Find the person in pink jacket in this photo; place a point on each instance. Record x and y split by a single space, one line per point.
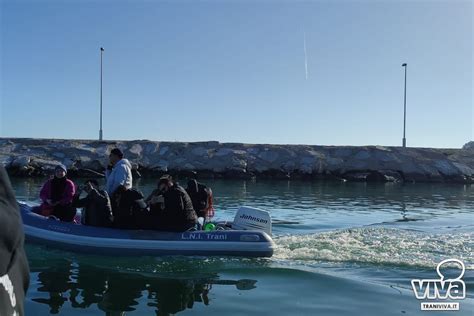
57 195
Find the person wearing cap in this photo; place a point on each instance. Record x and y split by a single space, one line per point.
171 207
14 271
96 207
118 173
57 194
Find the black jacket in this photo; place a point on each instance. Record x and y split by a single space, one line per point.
14 271
178 213
128 208
97 210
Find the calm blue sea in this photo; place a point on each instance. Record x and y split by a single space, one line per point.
349 249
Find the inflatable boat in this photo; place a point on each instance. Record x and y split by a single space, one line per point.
248 235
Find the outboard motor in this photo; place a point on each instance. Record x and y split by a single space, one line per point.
250 218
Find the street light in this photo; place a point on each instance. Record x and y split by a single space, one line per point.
404 141
100 131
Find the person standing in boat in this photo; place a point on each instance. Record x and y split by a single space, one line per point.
96 207
118 178
118 173
171 207
57 194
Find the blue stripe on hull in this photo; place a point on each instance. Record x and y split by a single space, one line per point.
146 252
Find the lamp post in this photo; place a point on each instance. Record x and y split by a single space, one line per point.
404 140
100 131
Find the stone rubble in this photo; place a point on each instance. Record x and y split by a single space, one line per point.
85 158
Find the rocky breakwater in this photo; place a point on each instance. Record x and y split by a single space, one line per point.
37 157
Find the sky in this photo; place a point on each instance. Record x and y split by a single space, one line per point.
234 71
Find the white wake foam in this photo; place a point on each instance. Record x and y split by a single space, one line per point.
378 246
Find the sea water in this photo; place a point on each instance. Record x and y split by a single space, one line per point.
342 249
